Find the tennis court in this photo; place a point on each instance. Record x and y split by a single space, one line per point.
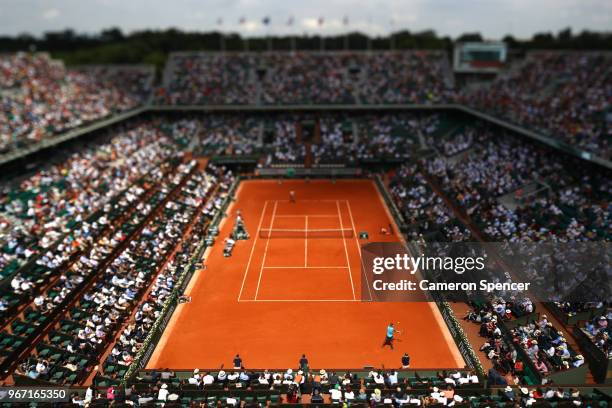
295 287
321 272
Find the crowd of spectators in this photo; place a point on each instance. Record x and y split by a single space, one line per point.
599 331
373 137
134 334
285 146
563 94
286 138
230 135
305 78
496 166
41 98
425 213
401 77
456 142
107 213
37 212
209 79
545 345
120 271
127 264
320 386
337 144
507 368
308 78
573 206
570 309
69 220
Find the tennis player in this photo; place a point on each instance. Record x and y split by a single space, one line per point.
390 335
292 196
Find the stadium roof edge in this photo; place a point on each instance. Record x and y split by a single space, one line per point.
547 140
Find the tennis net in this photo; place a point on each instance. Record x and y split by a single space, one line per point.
306 233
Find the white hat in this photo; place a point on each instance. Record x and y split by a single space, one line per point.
457 398
164 386
524 390
289 371
196 370
508 389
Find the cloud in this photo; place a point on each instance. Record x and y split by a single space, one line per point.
50 14
310 23
493 18
250 26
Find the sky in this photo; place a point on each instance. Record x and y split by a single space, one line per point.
492 18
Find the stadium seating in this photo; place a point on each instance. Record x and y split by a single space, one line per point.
304 78
98 313
75 195
426 214
562 94
597 328
41 98
90 266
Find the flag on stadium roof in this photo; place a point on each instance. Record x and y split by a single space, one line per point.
265 20
320 21
220 21
345 20
290 21
242 20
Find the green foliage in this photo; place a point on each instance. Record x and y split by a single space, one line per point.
152 46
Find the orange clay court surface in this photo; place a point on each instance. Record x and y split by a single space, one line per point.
276 298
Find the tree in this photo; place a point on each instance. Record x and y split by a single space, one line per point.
113 34
470 37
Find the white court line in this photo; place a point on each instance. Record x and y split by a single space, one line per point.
246 271
348 261
348 205
304 215
305 267
300 300
307 200
263 261
306 243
